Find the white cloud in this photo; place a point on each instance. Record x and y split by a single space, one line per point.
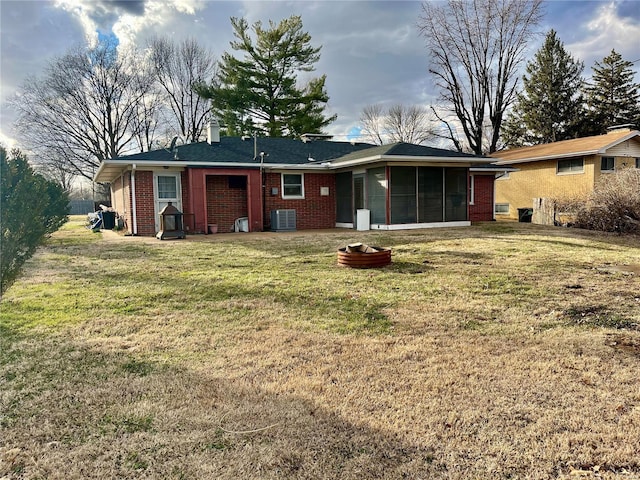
607 30
126 18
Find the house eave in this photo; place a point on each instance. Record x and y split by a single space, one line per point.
547 157
111 169
405 159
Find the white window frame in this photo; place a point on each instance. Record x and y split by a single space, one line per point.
613 166
495 208
571 170
158 202
282 184
472 189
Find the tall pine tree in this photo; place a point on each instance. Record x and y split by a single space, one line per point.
550 108
261 90
613 97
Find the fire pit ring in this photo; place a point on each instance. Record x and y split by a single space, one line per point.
362 256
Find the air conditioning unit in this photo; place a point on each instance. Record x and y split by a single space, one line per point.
283 220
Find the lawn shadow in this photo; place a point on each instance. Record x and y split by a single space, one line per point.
89 413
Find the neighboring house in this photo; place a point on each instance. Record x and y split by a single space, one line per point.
561 170
325 183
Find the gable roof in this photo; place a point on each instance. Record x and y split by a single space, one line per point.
576 147
235 152
410 150
282 151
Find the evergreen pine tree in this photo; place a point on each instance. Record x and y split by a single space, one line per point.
261 90
550 108
613 97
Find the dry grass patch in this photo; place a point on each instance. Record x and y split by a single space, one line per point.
497 351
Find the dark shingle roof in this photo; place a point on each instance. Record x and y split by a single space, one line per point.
409 150
281 151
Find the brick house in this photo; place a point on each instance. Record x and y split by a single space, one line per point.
316 183
569 169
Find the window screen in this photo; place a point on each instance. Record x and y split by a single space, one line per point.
430 193
344 190
377 194
403 195
455 192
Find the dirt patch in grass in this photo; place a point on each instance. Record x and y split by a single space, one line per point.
486 352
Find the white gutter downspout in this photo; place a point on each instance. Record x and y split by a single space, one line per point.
133 200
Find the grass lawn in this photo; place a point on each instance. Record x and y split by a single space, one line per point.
497 351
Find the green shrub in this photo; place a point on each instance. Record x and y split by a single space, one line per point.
31 207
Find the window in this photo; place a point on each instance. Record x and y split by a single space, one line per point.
573 165
502 209
292 185
607 164
167 187
637 162
472 189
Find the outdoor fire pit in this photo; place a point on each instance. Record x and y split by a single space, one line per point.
357 255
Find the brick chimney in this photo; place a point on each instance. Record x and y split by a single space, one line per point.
213 131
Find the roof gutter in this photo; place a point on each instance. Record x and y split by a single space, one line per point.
546 157
408 158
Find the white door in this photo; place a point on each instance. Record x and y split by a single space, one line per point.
167 189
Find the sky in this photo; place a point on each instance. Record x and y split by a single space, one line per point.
371 50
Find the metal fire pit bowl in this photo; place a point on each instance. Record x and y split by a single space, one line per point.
362 256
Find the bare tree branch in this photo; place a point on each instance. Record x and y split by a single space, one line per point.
400 123
476 49
179 67
85 108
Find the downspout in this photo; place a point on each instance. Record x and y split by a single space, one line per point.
134 215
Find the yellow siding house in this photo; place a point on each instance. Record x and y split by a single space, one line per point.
561 170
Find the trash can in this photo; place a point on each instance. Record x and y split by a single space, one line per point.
108 220
525 214
363 219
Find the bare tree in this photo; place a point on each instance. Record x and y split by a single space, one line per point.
400 123
56 170
476 49
84 109
372 120
178 68
409 124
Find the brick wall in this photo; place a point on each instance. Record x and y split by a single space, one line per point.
144 203
482 208
225 204
540 179
313 211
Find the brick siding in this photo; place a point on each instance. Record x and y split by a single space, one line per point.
225 204
145 216
314 210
